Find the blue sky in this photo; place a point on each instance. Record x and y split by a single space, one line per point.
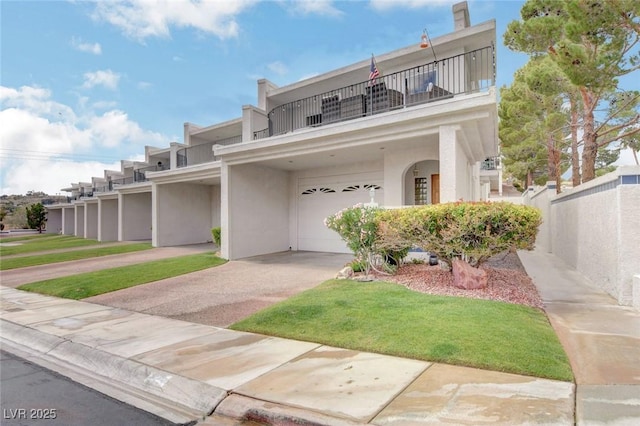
85 84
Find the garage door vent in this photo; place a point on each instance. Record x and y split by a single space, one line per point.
316 190
367 186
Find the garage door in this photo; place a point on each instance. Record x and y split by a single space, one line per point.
320 200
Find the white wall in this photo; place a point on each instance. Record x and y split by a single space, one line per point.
69 220
255 210
595 228
79 221
54 221
108 219
91 220
134 216
185 213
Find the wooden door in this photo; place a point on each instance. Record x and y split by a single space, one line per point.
435 189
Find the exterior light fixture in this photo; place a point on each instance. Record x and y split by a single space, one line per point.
425 41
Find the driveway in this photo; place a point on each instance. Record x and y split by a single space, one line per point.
225 294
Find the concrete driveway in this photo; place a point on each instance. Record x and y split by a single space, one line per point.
225 294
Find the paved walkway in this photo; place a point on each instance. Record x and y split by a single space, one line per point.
184 371
601 338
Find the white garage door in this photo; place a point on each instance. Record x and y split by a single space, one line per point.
319 200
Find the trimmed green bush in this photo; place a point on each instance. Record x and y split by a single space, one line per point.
472 232
217 235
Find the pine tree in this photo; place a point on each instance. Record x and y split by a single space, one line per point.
593 43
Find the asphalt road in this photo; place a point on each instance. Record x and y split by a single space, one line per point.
32 395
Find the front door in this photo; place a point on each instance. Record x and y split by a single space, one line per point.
435 189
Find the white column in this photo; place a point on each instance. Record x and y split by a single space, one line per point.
448 164
225 181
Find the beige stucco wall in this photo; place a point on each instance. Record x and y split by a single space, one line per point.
595 228
255 210
540 199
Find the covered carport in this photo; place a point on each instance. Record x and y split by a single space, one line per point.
186 205
134 212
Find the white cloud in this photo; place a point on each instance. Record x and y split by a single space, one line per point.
144 85
409 4
140 19
45 145
177 59
106 78
278 68
314 7
78 44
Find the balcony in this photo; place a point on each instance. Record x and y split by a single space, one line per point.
492 163
461 74
202 153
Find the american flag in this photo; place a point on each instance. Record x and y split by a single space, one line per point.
373 72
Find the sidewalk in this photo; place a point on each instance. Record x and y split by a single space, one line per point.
185 371
601 338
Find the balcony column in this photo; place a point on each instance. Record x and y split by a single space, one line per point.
450 151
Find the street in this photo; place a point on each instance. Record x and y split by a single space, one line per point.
33 395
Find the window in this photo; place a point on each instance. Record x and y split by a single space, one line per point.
422 191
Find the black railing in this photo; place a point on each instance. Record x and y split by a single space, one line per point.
465 73
490 163
202 153
122 181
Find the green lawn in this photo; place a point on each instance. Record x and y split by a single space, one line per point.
22 262
390 319
107 280
46 243
26 237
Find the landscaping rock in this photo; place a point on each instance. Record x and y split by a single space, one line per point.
467 277
345 273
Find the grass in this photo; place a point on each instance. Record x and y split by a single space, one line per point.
107 280
390 319
26 237
22 262
46 243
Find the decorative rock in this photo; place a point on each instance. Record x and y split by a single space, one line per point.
345 273
444 265
467 277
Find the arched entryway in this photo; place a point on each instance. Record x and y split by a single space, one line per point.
422 183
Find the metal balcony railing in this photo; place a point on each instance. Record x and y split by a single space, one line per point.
491 163
461 74
202 153
139 175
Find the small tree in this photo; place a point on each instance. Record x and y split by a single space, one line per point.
357 227
36 216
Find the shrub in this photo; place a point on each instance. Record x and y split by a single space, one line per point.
472 232
217 234
357 227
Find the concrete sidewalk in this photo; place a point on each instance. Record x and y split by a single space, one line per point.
184 372
601 338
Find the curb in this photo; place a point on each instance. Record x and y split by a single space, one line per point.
178 399
262 412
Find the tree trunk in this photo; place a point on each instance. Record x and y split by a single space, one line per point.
590 151
575 156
